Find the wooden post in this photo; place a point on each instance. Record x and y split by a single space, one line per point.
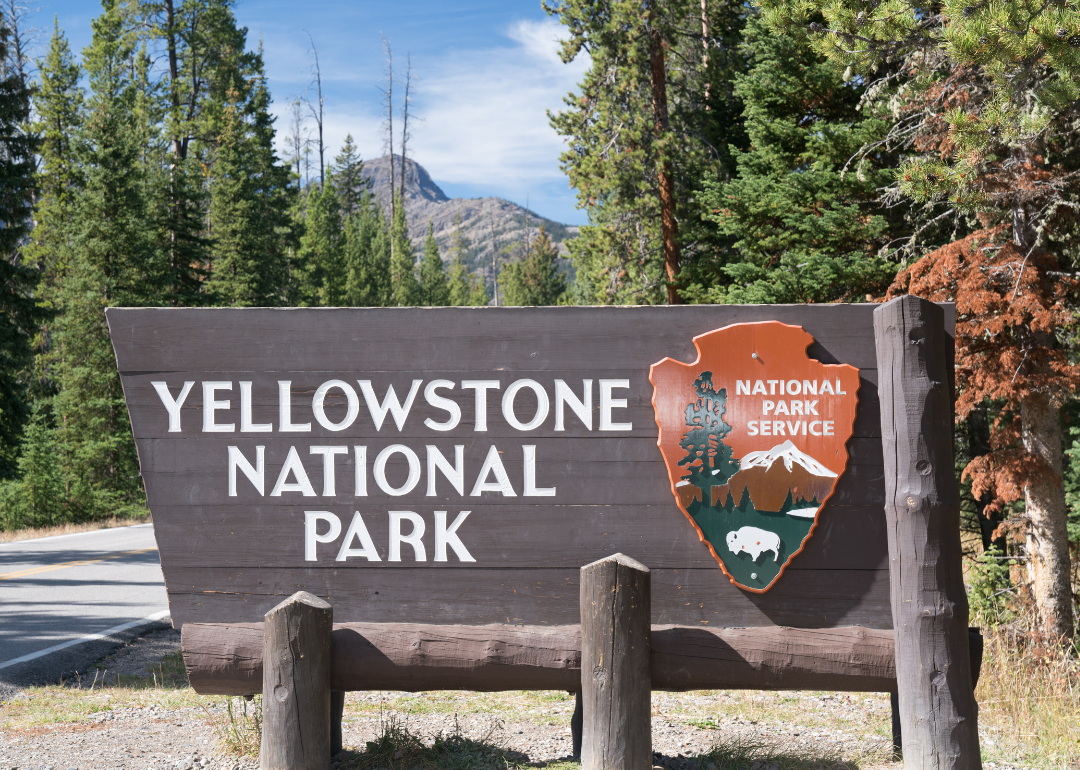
897 739
337 711
938 714
615 680
576 722
296 684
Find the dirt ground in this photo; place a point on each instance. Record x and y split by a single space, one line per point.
134 711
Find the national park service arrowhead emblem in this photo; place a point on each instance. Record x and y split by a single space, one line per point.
754 435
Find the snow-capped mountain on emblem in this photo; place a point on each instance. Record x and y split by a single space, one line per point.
789 453
754 437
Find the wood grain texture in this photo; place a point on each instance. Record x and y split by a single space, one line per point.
613 494
225 659
501 536
938 713
811 599
296 685
615 665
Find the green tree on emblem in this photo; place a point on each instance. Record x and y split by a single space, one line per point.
709 459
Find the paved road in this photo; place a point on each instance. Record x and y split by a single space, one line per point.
73 588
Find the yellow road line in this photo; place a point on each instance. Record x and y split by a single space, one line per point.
65 565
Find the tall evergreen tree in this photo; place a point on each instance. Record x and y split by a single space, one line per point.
114 264
805 227
642 129
250 197
353 190
535 279
19 314
367 258
58 104
322 246
434 289
404 286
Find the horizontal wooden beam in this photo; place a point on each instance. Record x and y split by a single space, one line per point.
226 659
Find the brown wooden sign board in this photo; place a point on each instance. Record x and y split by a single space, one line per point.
558 468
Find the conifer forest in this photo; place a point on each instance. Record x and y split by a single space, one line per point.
784 151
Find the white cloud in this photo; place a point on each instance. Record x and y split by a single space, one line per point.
481 113
485 115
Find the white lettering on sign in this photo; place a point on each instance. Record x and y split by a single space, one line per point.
390 403
380 470
440 402
493 465
357 530
414 538
246 424
455 473
319 408
172 405
582 407
447 538
296 468
607 403
256 474
542 405
285 423
210 406
481 387
525 405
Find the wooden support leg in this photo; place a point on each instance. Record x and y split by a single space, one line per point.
296 684
938 714
576 722
337 711
615 679
897 740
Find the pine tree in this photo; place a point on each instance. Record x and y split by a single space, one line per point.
642 129
250 197
322 246
367 258
353 190
535 279
404 286
434 289
114 263
805 228
19 315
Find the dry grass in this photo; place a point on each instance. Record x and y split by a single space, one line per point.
30 533
238 725
1029 703
399 748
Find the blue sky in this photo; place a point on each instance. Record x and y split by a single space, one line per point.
487 71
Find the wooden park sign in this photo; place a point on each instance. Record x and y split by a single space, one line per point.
440 476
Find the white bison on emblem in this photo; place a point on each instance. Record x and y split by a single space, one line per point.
754 541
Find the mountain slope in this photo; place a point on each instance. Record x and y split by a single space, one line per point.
484 221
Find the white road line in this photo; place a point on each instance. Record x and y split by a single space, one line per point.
88 638
75 534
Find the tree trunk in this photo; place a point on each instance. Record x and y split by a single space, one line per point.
978 439
669 226
1047 536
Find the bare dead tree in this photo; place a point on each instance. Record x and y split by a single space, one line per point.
388 124
22 37
705 46
317 114
405 136
297 141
